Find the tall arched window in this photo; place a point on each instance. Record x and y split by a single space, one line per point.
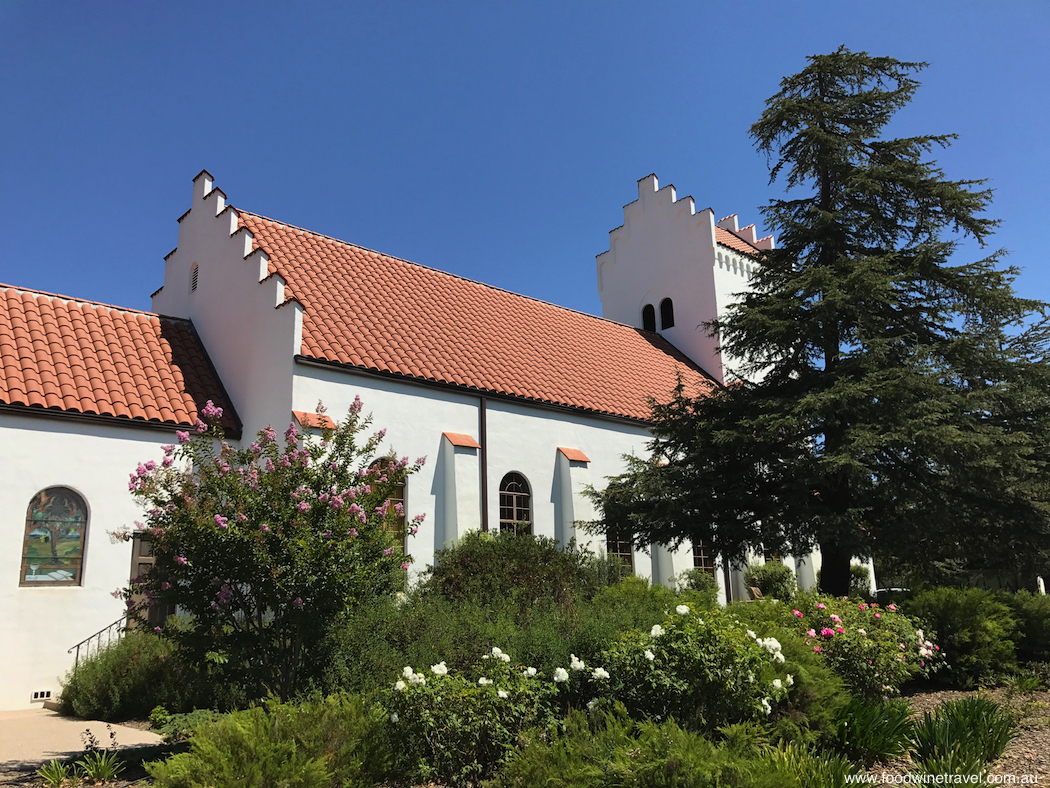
666 314
514 500
53 548
648 317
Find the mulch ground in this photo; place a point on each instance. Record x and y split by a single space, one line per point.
1027 754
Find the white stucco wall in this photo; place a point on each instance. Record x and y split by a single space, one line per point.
237 311
39 623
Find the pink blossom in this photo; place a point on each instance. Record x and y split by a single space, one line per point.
404 565
862 606
214 605
891 607
291 433
419 518
840 630
256 448
797 613
284 462
816 649
211 412
166 462
421 461
399 509
158 630
201 426
901 645
268 435
169 449
821 606
878 615
352 532
241 517
388 551
826 632
811 632
165 586
220 521
413 530
268 465
181 560
303 506
298 602
183 437
356 406
381 434
336 502
836 619
362 518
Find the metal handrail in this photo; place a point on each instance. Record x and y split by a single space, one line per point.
117 627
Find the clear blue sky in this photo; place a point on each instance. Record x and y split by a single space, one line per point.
498 141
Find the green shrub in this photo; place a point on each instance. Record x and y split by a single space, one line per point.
481 567
698 588
338 741
705 669
974 630
874 650
961 736
773 579
810 714
459 727
609 748
125 680
179 727
870 731
1032 634
799 767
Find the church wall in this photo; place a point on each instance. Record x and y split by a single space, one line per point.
39 624
237 310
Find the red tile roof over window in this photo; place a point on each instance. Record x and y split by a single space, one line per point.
77 356
368 310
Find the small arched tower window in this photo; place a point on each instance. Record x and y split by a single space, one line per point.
53 547
193 277
648 317
514 500
666 314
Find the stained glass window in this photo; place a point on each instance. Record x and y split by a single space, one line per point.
53 549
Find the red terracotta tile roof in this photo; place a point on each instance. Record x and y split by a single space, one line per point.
459 439
84 357
574 454
734 241
369 310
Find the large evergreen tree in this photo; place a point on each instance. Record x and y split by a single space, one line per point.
891 401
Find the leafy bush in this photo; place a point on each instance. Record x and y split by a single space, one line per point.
264 548
459 728
609 748
338 741
773 579
380 638
179 727
124 680
704 669
874 649
1032 634
962 735
481 567
871 731
974 629
698 588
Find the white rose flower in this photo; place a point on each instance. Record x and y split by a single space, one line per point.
560 675
790 680
505 657
497 651
778 657
439 669
400 686
765 706
752 635
393 718
649 655
407 672
417 678
600 673
777 684
529 672
502 694
484 682
656 631
682 610
575 663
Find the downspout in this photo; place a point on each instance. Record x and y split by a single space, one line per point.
483 458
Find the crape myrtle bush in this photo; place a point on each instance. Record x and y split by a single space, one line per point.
264 548
975 627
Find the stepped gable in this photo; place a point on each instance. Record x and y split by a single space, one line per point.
380 313
735 242
63 354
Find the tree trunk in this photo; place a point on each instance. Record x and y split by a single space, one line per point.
834 569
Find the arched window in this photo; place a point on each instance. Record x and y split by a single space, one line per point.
514 513
666 314
648 317
193 277
53 548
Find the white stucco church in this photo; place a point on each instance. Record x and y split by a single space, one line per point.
517 404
